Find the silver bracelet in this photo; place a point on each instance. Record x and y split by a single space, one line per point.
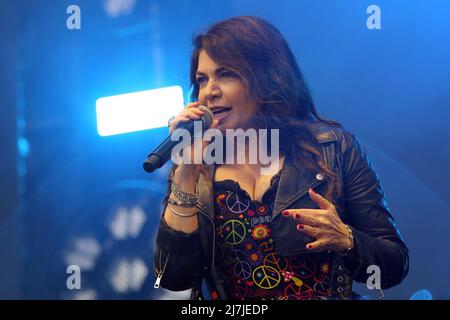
186 198
181 214
180 204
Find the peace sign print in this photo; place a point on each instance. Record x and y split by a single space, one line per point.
302 292
236 205
234 232
266 277
265 246
321 289
242 270
275 261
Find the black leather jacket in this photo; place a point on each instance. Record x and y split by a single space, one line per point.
181 260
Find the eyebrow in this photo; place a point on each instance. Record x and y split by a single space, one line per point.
219 69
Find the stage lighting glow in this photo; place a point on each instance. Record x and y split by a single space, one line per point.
128 275
138 111
83 253
127 222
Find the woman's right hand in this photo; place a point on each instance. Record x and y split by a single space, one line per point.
191 112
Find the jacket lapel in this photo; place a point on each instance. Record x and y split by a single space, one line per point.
294 183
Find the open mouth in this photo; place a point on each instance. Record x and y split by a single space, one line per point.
219 110
221 113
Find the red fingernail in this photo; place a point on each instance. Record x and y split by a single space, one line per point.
309 247
285 213
300 227
297 216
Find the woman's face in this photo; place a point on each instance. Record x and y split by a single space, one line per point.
221 87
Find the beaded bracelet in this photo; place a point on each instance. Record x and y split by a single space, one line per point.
352 241
180 204
181 214
186 198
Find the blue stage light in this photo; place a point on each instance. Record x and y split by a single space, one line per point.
423 294
138 111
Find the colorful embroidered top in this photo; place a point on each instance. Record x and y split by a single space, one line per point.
245 252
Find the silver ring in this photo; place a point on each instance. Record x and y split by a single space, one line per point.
170 120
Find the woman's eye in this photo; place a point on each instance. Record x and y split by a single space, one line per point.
200 80
227 74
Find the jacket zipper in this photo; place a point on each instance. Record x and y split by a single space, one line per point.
205 213
160 272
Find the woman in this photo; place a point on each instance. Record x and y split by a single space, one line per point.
306 231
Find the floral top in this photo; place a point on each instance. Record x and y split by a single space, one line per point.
245 252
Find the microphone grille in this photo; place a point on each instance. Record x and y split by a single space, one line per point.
207 117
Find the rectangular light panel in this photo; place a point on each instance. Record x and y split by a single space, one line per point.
138 111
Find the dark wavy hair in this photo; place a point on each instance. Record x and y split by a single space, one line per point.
259 54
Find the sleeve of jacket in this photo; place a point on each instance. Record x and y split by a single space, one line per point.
377 239
177 254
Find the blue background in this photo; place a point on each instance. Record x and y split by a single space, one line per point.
61 181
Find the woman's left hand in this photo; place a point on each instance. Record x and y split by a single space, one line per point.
323 224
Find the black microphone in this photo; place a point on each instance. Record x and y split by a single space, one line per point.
162 153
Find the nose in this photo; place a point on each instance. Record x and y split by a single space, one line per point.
212 91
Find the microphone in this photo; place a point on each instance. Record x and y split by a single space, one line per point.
162 153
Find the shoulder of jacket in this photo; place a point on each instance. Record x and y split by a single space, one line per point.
325 132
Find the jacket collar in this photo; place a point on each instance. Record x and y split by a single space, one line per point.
295 180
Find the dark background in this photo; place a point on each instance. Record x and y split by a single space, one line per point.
64 189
